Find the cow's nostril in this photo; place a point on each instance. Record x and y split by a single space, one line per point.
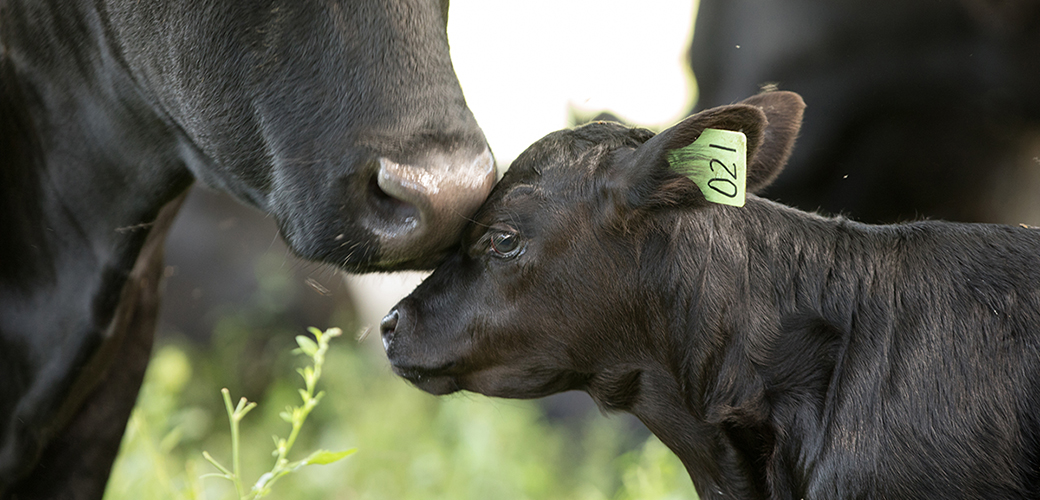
388 326
425 205
393 209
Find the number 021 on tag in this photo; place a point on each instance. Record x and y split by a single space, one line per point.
717 163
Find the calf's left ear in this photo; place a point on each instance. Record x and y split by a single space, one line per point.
770 122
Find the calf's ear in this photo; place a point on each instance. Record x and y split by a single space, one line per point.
783 112
770 122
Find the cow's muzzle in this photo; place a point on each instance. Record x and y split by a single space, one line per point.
430 203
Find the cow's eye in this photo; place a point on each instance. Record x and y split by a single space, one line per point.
505 244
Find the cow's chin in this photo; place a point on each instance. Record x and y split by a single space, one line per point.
356 251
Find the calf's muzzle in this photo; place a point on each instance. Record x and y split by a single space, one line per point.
424 367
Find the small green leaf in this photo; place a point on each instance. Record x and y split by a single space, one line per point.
314 331
308 376
286 416
307 345
210 459
323 457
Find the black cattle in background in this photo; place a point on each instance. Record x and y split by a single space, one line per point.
342 120
916 108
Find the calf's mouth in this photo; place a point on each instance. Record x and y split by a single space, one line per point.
429 380
434 377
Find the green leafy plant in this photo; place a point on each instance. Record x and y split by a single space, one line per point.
293 415
416 446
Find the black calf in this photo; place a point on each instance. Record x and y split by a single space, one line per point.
778 353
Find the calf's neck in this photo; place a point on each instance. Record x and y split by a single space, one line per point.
778 353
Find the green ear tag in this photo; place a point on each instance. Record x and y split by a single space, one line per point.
717 163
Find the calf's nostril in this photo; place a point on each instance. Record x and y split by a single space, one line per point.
389 322
388 326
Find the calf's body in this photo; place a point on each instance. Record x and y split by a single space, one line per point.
778 353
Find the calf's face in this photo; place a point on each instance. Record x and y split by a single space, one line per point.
505 315
547 291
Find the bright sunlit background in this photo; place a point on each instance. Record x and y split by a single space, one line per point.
525 65
528 68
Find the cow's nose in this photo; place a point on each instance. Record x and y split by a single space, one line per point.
388 326
427 205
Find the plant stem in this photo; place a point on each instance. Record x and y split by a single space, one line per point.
295 415
235 476
234 417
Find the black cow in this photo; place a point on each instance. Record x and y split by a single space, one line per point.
780 354
344 120
920 108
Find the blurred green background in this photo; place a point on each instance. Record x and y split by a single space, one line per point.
411 445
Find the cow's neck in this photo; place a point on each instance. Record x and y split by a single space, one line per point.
91 163
88 167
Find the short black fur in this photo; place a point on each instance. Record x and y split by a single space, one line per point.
778 353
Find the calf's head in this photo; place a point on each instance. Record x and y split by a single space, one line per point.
550 288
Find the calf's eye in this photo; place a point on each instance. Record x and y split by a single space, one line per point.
505 244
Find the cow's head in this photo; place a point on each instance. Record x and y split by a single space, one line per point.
550 290
343 119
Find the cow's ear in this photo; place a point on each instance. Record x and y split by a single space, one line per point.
769 121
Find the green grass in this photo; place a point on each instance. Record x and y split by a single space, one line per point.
410 445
